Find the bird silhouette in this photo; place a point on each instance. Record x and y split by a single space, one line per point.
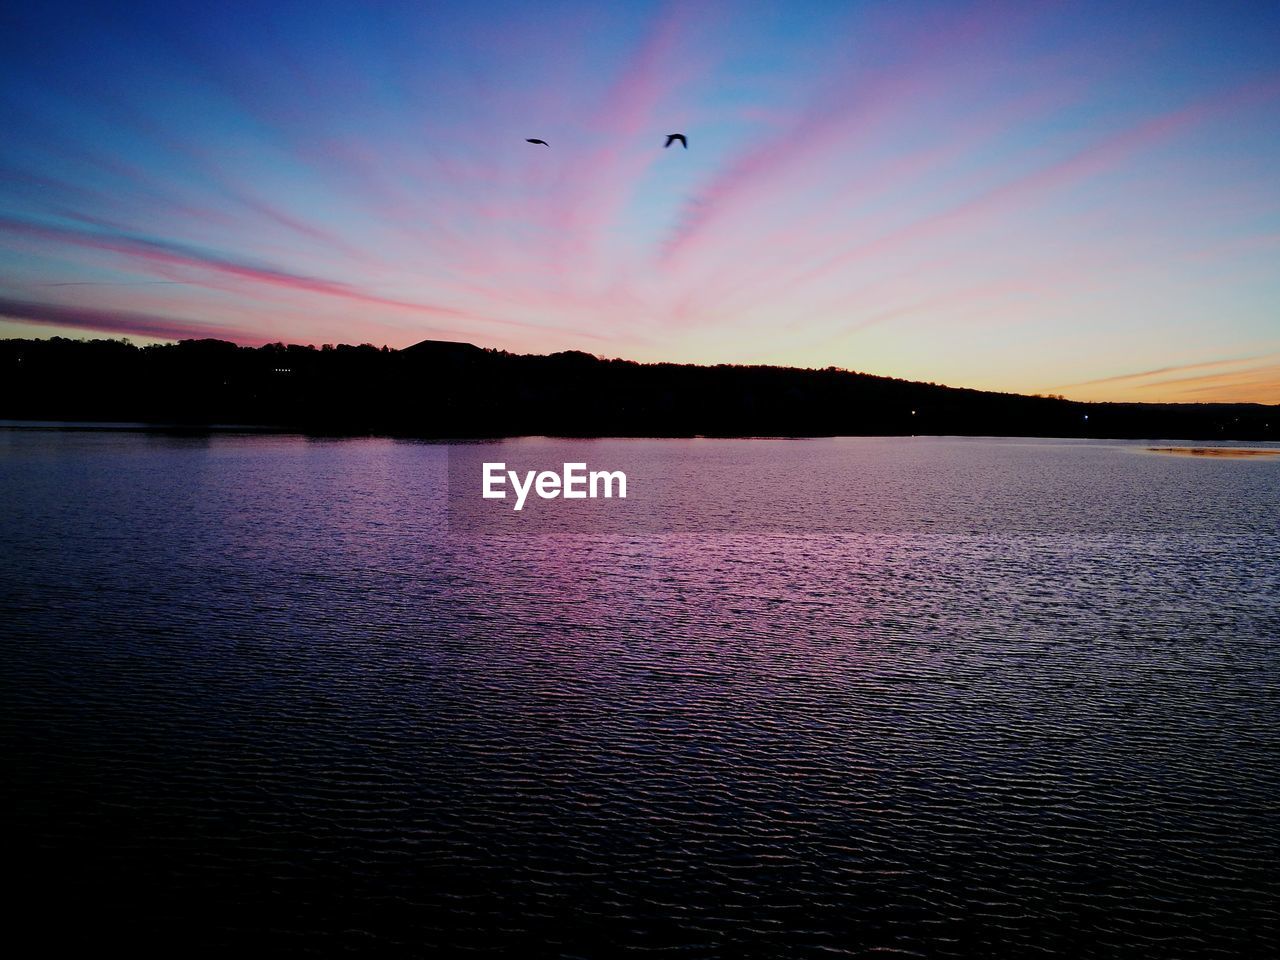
673 137
536 140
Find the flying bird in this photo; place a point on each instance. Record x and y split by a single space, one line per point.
536 140
673 137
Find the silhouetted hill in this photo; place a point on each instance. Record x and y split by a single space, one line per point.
448 389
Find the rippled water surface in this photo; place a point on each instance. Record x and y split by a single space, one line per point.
257 694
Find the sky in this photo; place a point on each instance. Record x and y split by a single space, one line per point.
1067 198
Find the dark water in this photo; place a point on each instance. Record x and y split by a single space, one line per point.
255 696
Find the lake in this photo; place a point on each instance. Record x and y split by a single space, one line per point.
929 697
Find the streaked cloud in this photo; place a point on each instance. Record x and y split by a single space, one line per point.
1235 379
114 322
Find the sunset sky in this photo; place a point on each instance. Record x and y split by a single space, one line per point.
1076 198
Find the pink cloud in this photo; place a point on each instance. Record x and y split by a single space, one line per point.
1035 186
174 254
853 104
597 184
727 285
115 321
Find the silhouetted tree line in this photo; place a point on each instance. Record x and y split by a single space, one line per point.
442 389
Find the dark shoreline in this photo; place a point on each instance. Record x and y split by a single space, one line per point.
456 391
224 429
